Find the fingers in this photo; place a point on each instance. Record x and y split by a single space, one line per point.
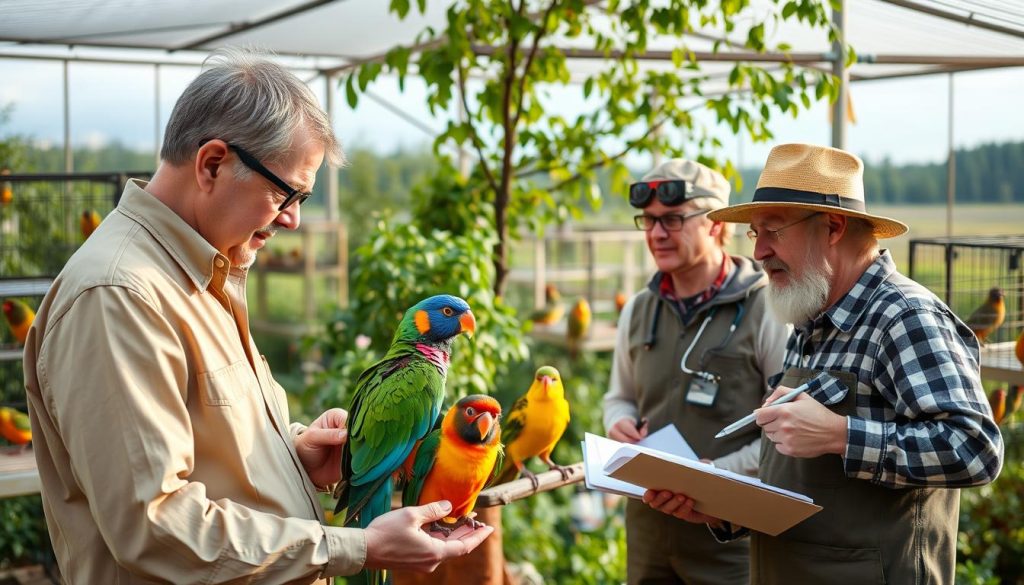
325 437
626 431
432 511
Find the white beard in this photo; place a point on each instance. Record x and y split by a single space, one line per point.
802 299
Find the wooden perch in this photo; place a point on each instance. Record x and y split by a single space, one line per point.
506 493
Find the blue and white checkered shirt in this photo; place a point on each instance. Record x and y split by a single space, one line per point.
922 418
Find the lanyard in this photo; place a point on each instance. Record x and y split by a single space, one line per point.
700 331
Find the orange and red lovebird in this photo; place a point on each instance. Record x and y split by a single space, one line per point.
989 316
19 317
455 461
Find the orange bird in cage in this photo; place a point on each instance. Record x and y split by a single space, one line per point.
989 316
6 189
19 317
90 221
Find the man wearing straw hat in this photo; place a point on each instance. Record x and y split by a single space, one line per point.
906 415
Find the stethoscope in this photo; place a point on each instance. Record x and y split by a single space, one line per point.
652 338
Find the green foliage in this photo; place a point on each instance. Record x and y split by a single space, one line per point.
500 65
990 543
400 265
23 537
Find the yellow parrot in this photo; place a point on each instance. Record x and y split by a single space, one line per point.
579 326
14 426
553 309
19 317
90 221
534 426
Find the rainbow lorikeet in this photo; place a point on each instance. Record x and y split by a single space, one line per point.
534 425
455 461
396 402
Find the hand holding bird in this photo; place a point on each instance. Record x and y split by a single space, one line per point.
534 426
395 404
454 462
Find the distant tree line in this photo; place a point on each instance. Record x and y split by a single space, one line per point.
373 182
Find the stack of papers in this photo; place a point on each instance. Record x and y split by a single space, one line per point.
664 461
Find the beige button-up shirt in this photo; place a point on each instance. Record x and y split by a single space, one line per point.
163 443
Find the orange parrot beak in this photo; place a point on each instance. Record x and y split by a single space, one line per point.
484 422
468 323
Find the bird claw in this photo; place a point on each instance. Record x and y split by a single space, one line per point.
565 471
438 526
533 478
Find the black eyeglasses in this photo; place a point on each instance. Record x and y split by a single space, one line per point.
670 192
292 194
672 222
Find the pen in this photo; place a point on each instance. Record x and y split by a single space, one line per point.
751 417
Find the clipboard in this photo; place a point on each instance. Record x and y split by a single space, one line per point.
739 499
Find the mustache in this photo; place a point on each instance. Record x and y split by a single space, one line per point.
268 231
775 264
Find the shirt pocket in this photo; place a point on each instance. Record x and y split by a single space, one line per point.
227 386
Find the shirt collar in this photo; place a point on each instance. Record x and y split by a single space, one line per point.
847 312
198 259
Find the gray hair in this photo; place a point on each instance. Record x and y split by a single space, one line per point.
711 204
243 98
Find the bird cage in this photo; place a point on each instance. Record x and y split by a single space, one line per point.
981 278
44 218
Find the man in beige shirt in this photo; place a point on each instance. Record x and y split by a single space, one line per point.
163 442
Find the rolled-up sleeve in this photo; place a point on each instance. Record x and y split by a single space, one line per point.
115 382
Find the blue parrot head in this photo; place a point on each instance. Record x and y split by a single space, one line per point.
437 320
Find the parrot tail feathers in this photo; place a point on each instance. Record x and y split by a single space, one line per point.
369 501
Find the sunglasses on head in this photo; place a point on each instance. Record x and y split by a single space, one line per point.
670 193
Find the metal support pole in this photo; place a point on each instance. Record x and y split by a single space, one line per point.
69 163
156 114
842 73
333 212
950 166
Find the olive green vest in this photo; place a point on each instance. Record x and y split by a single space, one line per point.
662 547
865 533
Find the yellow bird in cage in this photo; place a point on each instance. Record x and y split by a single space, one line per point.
89 222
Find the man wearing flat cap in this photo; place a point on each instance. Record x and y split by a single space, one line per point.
694 349
886 447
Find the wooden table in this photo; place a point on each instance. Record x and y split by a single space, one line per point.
18 474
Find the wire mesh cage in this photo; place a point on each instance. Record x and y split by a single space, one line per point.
982 279
45 218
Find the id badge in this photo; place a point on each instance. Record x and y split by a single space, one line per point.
702 391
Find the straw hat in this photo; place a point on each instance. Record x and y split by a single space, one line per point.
816 178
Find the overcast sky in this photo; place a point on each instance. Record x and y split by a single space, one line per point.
905 120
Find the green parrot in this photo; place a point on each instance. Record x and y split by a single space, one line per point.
397 401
